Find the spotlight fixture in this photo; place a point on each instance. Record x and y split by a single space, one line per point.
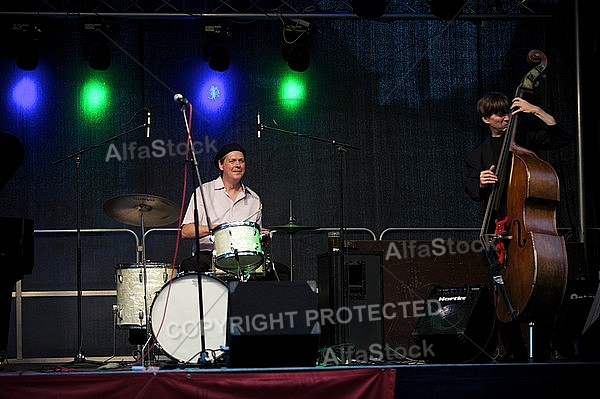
297 56
215 50
369 8
96 49
297 34
24 46
446 9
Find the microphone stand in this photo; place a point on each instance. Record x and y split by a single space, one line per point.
342 294
203 353
76 156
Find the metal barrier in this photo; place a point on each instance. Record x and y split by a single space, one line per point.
413 229
356 229
19 293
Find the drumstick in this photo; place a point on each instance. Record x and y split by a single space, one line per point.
254 214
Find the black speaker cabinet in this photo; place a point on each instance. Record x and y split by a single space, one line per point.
273 324
349 294
590 347
458 326
16 246
567 334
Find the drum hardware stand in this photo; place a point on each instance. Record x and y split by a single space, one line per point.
183 101
76 156
240 274
268 262
292 221
275 273
145 277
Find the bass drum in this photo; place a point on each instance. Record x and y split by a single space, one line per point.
175 317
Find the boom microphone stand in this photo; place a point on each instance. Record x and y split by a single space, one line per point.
183 102
76 157
341 148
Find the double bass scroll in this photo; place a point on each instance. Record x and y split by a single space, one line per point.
528 261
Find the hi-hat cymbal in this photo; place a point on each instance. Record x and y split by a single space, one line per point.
130 208
291 228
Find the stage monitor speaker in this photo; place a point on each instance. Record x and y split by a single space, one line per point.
459 326
273 324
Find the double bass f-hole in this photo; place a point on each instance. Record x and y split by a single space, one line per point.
521 240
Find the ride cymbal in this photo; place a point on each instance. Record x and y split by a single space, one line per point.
129 209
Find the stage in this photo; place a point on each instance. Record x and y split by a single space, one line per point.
306 359
386 381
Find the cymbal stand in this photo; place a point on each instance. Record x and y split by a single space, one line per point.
145 348
76 156
292 220
339 271
203 353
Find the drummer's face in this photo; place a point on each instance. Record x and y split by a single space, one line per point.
234 165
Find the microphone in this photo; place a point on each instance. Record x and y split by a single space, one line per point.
147 123
258 125
180 99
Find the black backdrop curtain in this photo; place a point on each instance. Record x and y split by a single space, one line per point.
403 92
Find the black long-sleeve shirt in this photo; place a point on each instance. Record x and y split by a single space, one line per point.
531 133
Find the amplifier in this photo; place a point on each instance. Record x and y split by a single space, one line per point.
458 326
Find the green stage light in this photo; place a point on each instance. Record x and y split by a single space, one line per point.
292 91
95 98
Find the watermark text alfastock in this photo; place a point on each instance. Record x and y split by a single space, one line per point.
411 249
157 149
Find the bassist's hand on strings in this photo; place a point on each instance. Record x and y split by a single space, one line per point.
488 177
520 105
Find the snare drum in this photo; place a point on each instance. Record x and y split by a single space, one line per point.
237 247
175 317
130 290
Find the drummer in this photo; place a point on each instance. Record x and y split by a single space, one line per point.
228 200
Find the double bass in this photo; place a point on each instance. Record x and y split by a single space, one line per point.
526 256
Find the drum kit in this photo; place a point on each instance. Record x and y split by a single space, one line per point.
158 300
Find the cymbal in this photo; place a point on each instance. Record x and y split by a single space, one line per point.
130 208
291 228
